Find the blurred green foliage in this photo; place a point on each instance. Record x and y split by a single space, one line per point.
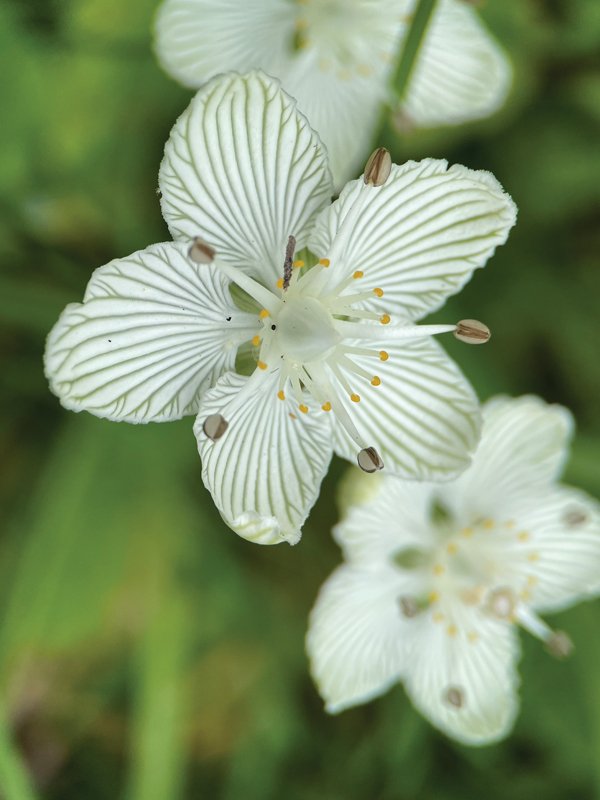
146 652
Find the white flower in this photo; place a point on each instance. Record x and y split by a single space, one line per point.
438 578
157 333
337 58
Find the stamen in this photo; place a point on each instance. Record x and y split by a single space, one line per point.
298 264
559 645
215 426
385 319
378 292
378 167
279 283
383 355
256 341
287 263
471 331
256 291
455 697
375 380
326 406
369 460
357 330
324 262
358 274
574 517
281 394
409 606
200 252
303 408
261 365
355 397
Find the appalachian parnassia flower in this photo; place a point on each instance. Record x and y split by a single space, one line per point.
339 362
438 578
337 58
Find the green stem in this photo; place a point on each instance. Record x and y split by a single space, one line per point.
15 783
412 43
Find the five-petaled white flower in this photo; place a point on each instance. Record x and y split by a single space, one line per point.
244 177
438 577
337 58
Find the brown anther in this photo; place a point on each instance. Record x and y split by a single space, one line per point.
287 262
574 517
378 167
408 606
215 426
559 645
200 252
471 331
454 696
369 460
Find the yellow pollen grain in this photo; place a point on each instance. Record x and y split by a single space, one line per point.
383 355
298 263
452 630
378 292
263 314
523 536
385 319
324 262
326 406
488 524
261 365
280 283
303 408
438 617
433 597
255 341
375 380
452 548
533 556
358 274
355 398
439 569
467 532
281 395
472 636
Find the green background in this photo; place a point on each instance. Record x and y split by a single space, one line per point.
148 653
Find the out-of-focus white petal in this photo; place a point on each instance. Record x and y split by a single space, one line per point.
559 532
355 636
265 471
197 39
419 236
244 170
522 451
460 74
154 331
424 417
393 518
460 673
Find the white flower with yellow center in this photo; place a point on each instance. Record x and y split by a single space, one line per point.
438 578
337 58
338 362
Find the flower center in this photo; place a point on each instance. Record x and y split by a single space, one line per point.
305 330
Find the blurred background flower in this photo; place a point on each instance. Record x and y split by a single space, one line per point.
145 650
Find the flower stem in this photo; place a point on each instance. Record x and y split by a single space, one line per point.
412 42
15 782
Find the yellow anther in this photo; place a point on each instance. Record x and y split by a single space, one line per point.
324 262
280 283
303 408
261 365
355 398
438 617
452 548
378 292
523 536
439 569
281 395
358 274
383 355
385 319
326 406
263 314
467 532
488 524
375 380
433 597
452 630
299 263
255 341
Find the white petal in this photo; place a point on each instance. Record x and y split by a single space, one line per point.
477 661
153 332
461 73
197 39
354 640
244 170
523 447
424 417
387 516
265 471
561 555
419 236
